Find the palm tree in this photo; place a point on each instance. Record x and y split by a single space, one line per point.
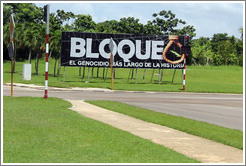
241 31
18 40
55 46
31 38
39 46
6 34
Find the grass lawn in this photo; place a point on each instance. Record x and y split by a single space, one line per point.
214 79
36 130
223 135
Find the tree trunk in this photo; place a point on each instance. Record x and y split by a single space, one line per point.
207 61
114 73
132 73
83 73
92 72
103 72
79 71
36 64
49 55
144 74
173 75
55 67
194 61
106 75
152 75
29 57
97 72
59 67
59 64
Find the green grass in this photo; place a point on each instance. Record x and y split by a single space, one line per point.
223 135
37 130
212 79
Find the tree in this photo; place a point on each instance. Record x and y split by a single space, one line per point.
189 30
151 29
241 31
168 23
24 14
59 22
6 35
217 39
6 13
84 23
31 36
64 16
239 51
201 51
40 44
227 50
55 45
60 19
130 25
110 26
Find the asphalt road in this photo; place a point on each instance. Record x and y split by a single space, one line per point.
221 109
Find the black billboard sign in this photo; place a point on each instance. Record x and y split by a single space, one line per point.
129 51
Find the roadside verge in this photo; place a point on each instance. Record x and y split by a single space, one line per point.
204 150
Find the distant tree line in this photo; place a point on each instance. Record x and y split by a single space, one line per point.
221 49
29 35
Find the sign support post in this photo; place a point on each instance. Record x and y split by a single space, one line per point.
12 67
64 74
47 14
111 47
88 76
136 77
184 73
112 79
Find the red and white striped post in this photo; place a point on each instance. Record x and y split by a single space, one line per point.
47 53
184 72
186 44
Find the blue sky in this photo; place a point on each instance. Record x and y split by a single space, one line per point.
207 17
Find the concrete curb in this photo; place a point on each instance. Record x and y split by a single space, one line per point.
108 90
55 88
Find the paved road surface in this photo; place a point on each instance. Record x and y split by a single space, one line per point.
221 109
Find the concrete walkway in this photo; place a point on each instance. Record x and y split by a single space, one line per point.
195 147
